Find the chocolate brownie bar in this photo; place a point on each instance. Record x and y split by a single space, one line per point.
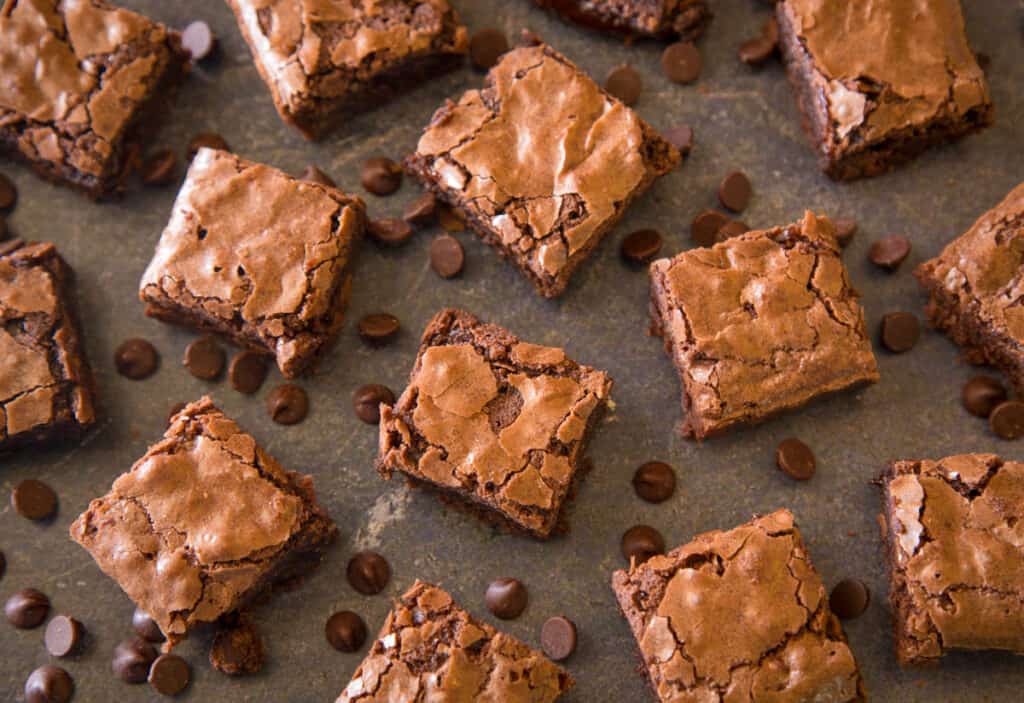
47 391
879 82
954 529
974 286
325 60
541 163
738 615
759 324
82 83
430 649
663 19
258 256
204 524
495 422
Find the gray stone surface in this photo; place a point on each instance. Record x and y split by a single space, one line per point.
744 119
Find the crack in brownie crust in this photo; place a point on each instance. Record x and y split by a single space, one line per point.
664 19
739 615
541 162
431 650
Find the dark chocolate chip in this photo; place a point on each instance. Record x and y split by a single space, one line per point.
681 62
27 608
642 542
34 499
367 399
247 371
346 631
175 409
390 231
288 404
132 659
641 246
900 331
506 598
889 252
211 140
982 394
169 675
558 638
160 168
146 627
136 359
368 573
237 649
732 228
625 83
315 175
49 684
654 481
705 226
770 30
447 256
381 176
379 328
205 359
795 459
199 40
486 47
849 599
63 636
422 211
735 191
681 137
8 194
1007 419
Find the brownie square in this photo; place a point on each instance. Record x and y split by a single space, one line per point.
880 82
662 19
974 286
430 649
204 523
760 324
954 529
47 391
541 163
328 60
82 84
499 424
738 615
257 256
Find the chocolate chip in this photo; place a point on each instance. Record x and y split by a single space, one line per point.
160 168
849 599
27 608
735 191
486 47
558 638
315 175
8 194
681 62
982 394
34 500
422 211
681 137
63 636
288 404
367 399
146 627
368 573
204 358
346 631
845 229
900 331
795 459
625 83
49 684
381 176
1007 419
132 660
237 649
642 542
198 39
175 409
705 226
732 228
654 481
210 140
379 328
641 246
756 51
390 231
247 371
506 598
447 256
770 30
136 359
889 252
169 674
450 220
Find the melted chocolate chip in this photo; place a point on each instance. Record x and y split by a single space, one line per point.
982 394
367 399
642 542
146 627
900 331
136 359
169 675
248 371
288 404
558 638
795 459
368 573
681 62
447 256
654 481
849 599
345 631
34 500
205 359
49 684
63 636
381 176
27 608
486 46
506 598
379 328
132 660
625 83
641 246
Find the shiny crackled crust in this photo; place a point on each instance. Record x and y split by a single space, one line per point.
203 524
879 81
541 162
975 286
47 390
324 60
663 19
430 649
83 81
955 535
258 256
739 615
759 324
499 423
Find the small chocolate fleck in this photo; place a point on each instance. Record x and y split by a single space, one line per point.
379 328
288 404
1007 419
169 675
160 168
368 573
889 252
34 500
795 459
625 83
345 631
136 359
447 257
982 394
211 140
63 636
248 371
49 684
486 46
506 598
641 246
381 176
390 231
367 399
27 608
900 331
735 191
204 358
558 638
654 481
132 659
849 599
681 62
642 542
315 175
146 627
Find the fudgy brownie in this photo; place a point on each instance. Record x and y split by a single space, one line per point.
324 60
493 421
879 82
685 19
761 323
974 286
541 162
204 524
82 83
738 615
47 391
258 256
954 529
430 649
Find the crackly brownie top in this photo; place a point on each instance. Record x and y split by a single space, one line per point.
739 614
75 70
197 521
889 64
431 650
41 371
541 153
958 541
